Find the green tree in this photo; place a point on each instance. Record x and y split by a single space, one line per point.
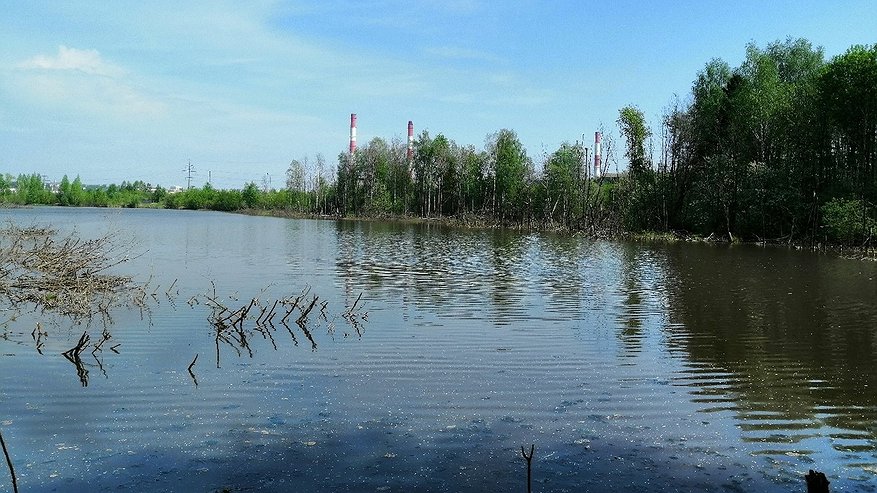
841 219
77 196
474 184
6 181
636 132
64 191
250 195
509 168
562 172
30 189
848 90
641 189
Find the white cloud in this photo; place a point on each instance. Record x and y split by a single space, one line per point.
85 61
82 81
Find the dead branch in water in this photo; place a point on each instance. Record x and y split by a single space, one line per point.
237 328
65 275
529 459
73 355
9 463
353 307
304 314
191 373
77 349
816 482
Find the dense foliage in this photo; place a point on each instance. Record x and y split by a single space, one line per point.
781 148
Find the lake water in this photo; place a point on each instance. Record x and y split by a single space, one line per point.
631 367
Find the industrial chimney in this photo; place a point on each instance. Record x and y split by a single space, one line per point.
410 141
352 133
598 154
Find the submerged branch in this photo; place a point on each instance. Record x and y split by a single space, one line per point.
63 275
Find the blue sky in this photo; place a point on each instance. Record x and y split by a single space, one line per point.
116 91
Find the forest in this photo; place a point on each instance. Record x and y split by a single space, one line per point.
780 149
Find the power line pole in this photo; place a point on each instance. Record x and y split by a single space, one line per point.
189 170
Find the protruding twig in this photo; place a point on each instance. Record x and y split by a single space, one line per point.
816 482
9 463
304 314
529 459
192 374
247 310
355 303
283 320
105 336
266 314
75 350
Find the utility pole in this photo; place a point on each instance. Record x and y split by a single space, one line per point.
189 170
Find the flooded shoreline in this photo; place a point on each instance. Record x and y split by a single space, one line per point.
637 366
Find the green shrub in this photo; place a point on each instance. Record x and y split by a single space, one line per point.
843 221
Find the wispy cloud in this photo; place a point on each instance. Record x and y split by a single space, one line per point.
82 81
85 61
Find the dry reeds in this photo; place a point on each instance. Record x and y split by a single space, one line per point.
65 275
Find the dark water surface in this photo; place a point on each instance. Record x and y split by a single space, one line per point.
631 367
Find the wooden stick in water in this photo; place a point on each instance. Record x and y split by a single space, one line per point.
529 459
9 463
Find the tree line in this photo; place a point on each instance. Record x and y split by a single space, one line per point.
497 185
779 149
33 189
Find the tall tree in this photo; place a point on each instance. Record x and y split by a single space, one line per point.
509 166
562 174
848 90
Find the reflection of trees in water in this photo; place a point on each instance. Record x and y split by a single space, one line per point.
784 340
463 273
642 289
425 264
507 251
561 269
395 259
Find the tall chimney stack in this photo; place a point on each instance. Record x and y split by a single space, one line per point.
598 154
352 133
410 141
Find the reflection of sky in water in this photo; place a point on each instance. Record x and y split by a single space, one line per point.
627 365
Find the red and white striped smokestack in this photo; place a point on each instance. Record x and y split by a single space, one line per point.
598 154
352 133
410 140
